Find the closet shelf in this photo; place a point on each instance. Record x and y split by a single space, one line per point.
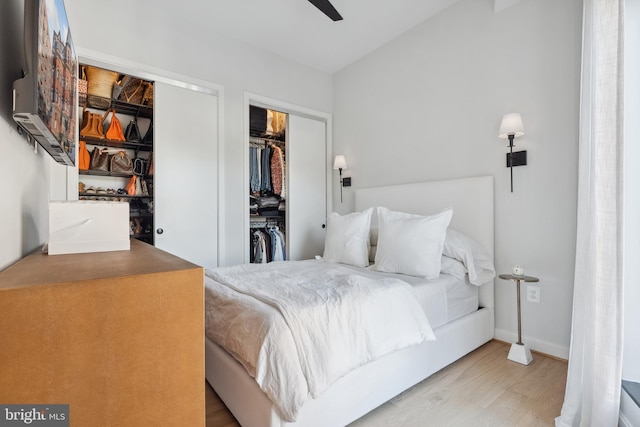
103 173
138 146
261 142
256 133
121 196
128 108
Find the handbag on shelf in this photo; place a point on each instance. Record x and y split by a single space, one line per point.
133 131
150 165
148 136
99 159
139 187
82 86
139 166
100 86
145 188
131 186
84 158
121 163
114 133
92 124
147 97
132 90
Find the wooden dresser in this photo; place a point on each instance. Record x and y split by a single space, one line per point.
119 336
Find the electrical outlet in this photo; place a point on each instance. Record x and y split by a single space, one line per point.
533 293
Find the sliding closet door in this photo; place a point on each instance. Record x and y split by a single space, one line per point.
186 173
307 187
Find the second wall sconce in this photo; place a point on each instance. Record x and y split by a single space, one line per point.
341 163
511 128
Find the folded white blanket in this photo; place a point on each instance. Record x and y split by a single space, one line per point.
312 323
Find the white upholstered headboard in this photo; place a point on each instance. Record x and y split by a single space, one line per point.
470 198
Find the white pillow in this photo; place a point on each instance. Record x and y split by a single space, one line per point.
347 238
411 244
472 254
453 267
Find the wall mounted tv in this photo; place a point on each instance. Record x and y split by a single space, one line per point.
44 100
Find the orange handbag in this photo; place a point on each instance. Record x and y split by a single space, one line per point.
92 124
131 186
114 132
83 157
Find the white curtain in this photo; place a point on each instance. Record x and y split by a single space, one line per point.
592 396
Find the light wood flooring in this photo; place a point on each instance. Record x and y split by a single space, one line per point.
481 389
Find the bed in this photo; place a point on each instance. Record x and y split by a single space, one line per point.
457 332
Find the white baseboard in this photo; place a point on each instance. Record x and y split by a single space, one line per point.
534 344
629 411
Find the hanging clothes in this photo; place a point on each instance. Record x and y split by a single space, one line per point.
259 248
265 175
277 171
254 170
277 244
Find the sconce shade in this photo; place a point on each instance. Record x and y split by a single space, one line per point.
511 125
340 162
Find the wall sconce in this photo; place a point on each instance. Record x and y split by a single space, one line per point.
511 127
340 163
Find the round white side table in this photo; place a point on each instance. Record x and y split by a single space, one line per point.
519 352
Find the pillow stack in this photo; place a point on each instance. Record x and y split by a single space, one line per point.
409 244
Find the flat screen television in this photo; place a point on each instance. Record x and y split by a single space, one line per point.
44 100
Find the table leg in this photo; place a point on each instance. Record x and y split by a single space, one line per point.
519 318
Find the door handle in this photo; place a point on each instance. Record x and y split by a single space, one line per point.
159 231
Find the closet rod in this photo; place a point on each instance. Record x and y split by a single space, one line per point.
260 226
257 140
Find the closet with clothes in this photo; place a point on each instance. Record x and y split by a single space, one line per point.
267 185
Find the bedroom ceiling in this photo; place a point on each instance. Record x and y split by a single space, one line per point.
295 29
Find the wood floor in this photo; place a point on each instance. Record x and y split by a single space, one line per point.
481 389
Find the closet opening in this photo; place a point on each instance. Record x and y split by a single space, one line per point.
267 185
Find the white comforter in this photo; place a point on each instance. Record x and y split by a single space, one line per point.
298 326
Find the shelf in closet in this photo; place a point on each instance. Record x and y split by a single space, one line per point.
118 175
256 133
138 110
261 221
122 196
137 146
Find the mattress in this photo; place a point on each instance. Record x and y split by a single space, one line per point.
443 299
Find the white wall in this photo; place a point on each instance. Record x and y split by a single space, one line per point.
428 106
144 33
24 211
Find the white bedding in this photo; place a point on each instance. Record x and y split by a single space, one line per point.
297 344
445 298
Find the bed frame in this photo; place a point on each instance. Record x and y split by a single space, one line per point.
373 384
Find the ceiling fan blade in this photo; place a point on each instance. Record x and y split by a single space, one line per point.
327 8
